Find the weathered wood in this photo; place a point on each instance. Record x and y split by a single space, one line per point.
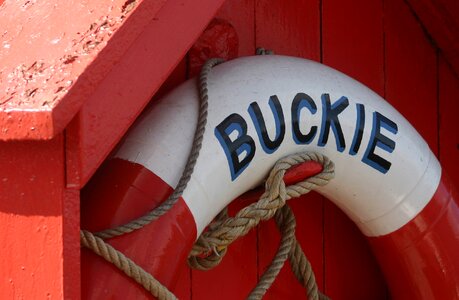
47 72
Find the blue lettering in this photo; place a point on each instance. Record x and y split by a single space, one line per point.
377 139
330 114
233 149
268 145
301 101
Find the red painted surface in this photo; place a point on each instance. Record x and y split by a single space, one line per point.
411 71
39 221
122 191
289 27
352 40
240 14
406 67
421 259
448 131
48 71
302 171
439 17
218 40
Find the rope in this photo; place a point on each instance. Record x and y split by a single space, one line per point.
287 223
274 197
95 241
191 162
126 265
302 269
211 246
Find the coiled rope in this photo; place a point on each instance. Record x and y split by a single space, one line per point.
225 230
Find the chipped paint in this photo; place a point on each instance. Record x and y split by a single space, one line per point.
30 85
55 53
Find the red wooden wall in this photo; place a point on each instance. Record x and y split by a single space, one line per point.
380 43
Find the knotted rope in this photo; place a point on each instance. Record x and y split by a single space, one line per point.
225 230
212 245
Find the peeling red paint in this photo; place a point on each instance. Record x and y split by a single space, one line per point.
31 85
52 47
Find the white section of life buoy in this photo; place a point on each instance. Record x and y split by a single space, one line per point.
379 199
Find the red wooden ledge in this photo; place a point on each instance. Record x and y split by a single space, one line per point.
55 53
128 87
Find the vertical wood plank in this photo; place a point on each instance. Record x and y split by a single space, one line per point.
351 271
291 28
33 217
352 42
240 14
411 70
71 239
236 276
449 128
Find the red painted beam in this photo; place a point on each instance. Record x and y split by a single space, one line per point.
55 53
39 223
130 84
441 19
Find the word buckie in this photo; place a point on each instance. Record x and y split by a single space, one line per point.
236 143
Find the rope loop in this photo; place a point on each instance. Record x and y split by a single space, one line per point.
225 230
212 245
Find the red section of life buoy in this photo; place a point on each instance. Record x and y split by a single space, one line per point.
421 259
120 192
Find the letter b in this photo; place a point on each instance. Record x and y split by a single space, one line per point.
235 147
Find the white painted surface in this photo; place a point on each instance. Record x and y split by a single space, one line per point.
378 203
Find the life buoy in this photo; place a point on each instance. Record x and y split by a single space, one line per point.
263 108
